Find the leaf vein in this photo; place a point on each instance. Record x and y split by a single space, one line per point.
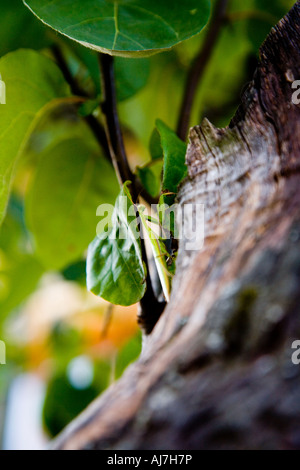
89 20
116 12
158 17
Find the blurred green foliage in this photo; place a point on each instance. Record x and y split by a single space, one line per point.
64 402
64 398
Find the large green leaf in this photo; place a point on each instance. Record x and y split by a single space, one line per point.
124 27
70 182
115 270
33 84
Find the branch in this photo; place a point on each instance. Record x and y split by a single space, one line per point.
151 309
114 132
198 68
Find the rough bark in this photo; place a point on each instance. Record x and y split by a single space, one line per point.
216 372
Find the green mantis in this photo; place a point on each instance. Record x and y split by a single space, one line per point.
163 260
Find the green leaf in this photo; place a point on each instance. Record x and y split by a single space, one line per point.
155 146
115 270
18 280
131 76
124 27
88 107
174 151
150 176
76 272
70 182
19 270
33 84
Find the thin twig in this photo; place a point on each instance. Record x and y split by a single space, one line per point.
199 66
113 127
91 121
114 131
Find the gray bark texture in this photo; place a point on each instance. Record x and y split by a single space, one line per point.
216 372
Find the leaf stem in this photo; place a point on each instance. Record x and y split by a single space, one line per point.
199 66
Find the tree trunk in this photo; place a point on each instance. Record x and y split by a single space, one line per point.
216 372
